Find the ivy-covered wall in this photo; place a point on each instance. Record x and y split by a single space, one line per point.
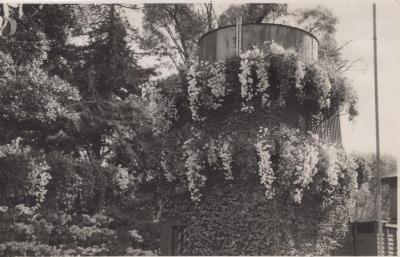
237 219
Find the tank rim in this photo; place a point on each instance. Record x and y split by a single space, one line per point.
263 24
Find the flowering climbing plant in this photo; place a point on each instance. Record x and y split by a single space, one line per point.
194 164
303 164
250 62
288 161
206 87
265 77
297 188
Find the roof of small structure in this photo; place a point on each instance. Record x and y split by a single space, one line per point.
260 24
389 175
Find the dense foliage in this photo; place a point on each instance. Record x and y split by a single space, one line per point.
93 153
220 132
46 210
236 219
252 13
68 121
172 30
364 206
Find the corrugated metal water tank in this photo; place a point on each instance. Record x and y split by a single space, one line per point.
219 44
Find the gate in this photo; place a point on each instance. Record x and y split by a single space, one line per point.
172 238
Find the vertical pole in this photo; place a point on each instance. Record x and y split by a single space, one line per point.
238 35
379 193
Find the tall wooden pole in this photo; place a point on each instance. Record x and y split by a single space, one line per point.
238 35
378 160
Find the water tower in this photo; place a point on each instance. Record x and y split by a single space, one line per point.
223 43
219 44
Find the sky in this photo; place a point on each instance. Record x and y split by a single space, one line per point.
355 23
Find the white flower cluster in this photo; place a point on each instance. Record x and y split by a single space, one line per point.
322 85
194 164
299 74
221 150
12 148
253 58
203 75
85 232
225 153
245 80
130 251
123 178
38 179
303 164
264 164
135 235
216 83
305 173
292 76
274 48
196 180
332 169
194 91
212 156
298 159
263 84
25 210
161 109
349 165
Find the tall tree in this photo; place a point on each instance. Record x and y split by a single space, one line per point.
107 74
72 113
322 23
364 208
252 13
173 30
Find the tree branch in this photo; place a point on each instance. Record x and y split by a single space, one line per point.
132 7
346 66
175 40
337 49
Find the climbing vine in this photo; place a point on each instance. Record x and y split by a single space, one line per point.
239 220
265 77
259 80
222 136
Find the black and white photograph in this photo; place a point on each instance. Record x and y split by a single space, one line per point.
207 128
